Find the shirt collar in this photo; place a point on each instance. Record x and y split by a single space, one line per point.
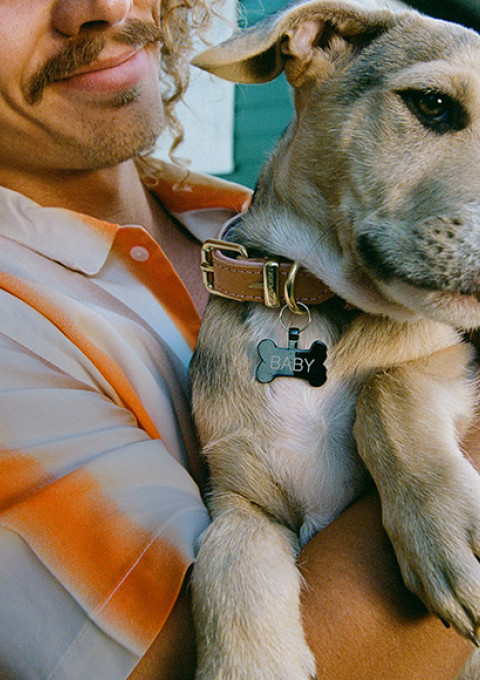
83 243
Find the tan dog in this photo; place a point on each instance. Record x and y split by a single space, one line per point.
375 189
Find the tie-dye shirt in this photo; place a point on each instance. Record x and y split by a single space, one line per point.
99 513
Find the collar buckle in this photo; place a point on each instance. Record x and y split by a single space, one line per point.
206 264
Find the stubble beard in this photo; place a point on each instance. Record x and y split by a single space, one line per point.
109 139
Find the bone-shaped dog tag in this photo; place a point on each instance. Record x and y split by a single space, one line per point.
291 362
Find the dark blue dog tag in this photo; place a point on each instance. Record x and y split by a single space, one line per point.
291 362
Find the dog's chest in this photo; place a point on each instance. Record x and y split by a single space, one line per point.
314 456
312 451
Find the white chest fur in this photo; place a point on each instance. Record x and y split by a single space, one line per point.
312 452
311 448
314 455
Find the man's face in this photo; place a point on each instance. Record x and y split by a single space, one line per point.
78 82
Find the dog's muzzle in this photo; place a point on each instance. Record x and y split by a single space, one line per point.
438 254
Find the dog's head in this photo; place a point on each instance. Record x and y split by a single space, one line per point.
381 167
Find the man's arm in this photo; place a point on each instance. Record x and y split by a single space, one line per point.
361 621
172 655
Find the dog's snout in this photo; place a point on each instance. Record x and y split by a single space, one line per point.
437 253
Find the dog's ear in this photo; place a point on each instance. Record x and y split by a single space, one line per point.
304 40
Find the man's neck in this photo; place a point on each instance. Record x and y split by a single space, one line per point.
112 194
117 195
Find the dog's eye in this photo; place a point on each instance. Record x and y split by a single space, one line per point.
436 110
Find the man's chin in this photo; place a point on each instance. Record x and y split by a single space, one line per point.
108 147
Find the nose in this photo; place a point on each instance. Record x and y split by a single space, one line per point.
71 17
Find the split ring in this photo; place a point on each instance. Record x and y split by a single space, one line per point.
303 309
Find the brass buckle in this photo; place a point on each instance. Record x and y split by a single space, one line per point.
206 264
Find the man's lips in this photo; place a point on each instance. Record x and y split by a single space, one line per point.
109 75
97 61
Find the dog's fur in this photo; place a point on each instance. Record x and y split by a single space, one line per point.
382 204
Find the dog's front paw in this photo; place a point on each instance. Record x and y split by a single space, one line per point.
435 532
287 665
269 648
246 600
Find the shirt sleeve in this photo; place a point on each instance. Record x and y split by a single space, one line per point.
100 512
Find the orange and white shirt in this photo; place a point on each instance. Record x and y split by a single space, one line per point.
99 510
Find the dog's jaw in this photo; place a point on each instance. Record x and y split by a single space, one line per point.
430 265
454 309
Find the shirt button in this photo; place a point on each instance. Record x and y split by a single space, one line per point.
139 253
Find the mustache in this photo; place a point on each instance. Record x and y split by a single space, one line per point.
83 50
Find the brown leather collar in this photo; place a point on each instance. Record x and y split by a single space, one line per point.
229 272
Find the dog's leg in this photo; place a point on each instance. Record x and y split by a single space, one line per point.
471 671
246 591
246 587
409 420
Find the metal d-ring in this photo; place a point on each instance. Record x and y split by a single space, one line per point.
303 310
289 290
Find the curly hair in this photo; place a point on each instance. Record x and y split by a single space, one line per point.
180 21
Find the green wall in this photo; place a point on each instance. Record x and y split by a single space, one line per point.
261 111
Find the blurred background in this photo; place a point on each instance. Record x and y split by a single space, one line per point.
231 129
